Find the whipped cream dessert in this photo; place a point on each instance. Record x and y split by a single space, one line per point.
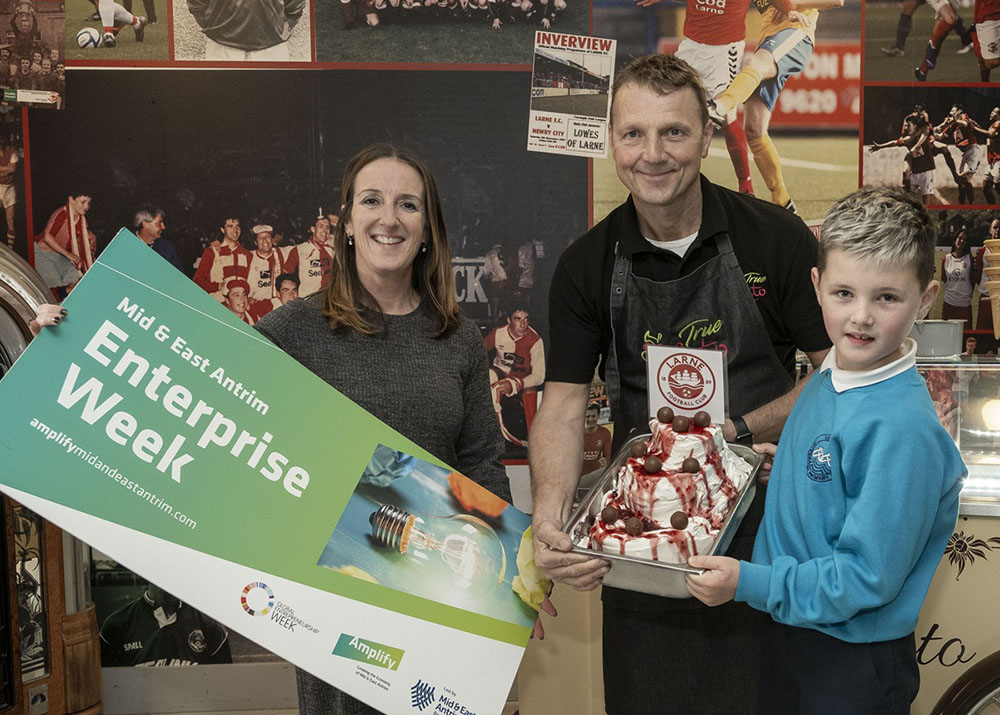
673 494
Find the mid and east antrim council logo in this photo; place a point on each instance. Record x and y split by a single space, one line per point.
421 695
257 599
686 381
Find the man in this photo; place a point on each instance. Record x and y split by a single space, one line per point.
596 441
265 264
313 259
113 17
220 263
8 195
288 290
247 30
148 5
67 247
517 369
677 254
992 133
237 292
788 33
149 226
495 279
986 36
962 131
158 629
47 79
945 19
984 259
905 24
921 150
714 40
25 78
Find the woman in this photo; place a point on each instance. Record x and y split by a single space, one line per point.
387 333
956 274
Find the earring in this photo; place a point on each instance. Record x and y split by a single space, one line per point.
350 239
424 247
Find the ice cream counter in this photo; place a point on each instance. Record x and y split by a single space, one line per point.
958 634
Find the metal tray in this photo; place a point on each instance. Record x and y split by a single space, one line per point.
655 577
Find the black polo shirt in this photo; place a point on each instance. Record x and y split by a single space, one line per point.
774 248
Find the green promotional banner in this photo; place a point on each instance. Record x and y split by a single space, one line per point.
158 427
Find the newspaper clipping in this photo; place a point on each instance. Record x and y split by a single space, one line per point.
570 94
31 68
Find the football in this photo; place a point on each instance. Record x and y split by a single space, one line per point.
88 38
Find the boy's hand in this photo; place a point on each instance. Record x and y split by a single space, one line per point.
768 450
718 584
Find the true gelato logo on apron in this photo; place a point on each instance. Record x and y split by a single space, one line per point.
686 381
757 284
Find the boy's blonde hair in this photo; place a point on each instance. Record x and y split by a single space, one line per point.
886 226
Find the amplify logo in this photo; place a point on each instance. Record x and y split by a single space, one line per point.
369 652
257 599
421 695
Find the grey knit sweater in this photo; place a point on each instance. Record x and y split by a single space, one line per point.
434 391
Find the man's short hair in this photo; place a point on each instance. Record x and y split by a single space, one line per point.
593 407
293 277
146 213
228 217
663 74
885 226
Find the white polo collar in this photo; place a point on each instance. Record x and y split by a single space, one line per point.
844 380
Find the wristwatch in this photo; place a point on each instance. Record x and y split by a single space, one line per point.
743 434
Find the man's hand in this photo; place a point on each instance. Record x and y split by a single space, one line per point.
554 557
504 387
768 450
496 23
718 584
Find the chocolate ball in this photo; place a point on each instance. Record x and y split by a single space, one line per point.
609 514
653 464
679 520
633 526
702 418
637 449
665 415
681 423
691 465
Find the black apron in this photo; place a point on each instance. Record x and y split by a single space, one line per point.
637 625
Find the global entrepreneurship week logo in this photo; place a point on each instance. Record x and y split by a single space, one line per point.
257 599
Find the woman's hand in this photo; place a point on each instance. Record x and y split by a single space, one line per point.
48 314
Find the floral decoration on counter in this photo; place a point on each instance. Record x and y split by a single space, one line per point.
962 549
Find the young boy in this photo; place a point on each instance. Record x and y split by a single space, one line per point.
863 493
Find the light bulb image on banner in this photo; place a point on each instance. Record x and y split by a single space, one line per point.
427 530
462 548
